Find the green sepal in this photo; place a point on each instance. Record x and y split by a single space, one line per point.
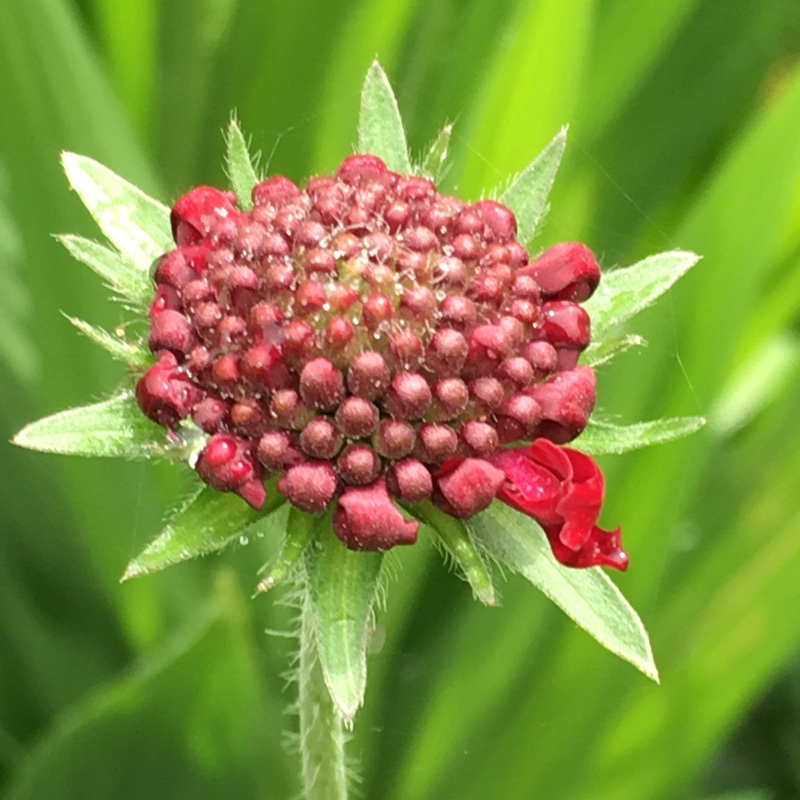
294 544
380 127
239 165
588 596
131 353
527 195
434 162
623 293
130 282
207 522
344 588
111 428
457 540
599 352
134 223
600 438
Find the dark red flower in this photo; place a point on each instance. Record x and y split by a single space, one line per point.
365 338
562 489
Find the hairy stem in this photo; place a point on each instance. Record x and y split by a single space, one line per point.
322 734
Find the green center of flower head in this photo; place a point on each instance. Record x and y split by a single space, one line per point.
367 338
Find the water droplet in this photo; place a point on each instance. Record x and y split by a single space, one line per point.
243 540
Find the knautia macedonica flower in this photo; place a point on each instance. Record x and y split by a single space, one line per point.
395 362
368 338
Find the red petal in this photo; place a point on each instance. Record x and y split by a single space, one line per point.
581 504
601 549
562 489
529 486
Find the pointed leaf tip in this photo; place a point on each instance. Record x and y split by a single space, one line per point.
131 353
434 163
599 352
527 195
622 293
207 522
588 596
113 428
380 126
601 438
239 164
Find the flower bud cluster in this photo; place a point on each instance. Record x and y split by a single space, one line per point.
366 338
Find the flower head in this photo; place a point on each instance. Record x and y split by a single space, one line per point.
366 337
380 351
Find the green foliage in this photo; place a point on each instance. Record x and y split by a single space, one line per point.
380 129
528 193
601 438
434 163
683 120
588 596
207 522
115 427
136 224
458 543
131 353
127 280
343 589
239 165
625 292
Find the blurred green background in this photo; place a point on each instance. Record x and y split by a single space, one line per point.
685 132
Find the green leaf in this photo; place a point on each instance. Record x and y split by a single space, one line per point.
291 551
588 596
527 195
457 540
207 522
600 438
114 427
344 587
133 354
130 282
380 127
625 292
136 225
434 162
239 165
599 352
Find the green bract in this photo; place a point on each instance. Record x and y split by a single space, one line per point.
340 587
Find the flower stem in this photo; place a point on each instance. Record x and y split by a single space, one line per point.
322 734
